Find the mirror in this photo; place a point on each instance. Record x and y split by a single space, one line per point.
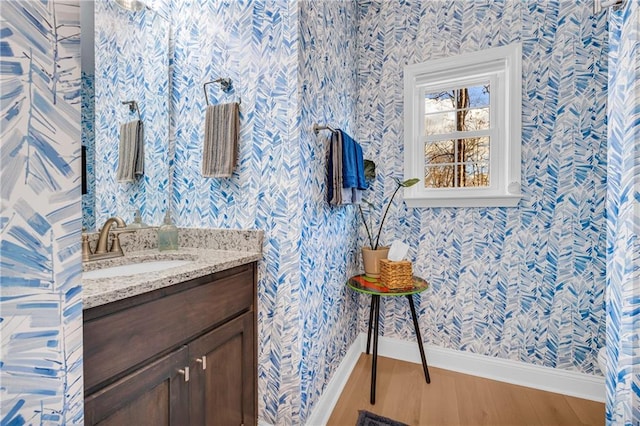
125 57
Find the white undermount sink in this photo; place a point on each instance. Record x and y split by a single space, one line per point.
134 268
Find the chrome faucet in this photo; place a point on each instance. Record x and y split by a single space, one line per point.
101 251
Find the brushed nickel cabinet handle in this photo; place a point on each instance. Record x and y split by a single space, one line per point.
185 373
202 361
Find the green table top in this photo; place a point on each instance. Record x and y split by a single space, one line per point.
369 285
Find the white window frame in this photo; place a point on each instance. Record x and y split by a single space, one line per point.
502 67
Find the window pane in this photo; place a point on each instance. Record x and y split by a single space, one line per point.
438 102
439 176
459 110
475 150
478 96
439 152
474 119
435 124
475 175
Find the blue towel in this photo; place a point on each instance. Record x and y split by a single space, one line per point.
352 163
345 170
362 182
349 162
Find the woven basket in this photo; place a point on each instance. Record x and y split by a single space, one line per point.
396 274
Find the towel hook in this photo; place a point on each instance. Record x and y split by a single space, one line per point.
316 128
226 85
133 106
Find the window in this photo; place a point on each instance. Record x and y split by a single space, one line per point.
462 129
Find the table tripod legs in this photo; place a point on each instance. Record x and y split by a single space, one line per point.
415 325
371 309
374 324
374 367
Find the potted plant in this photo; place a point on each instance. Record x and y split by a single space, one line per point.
371 255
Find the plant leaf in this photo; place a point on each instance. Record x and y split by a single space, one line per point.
409 182
369 170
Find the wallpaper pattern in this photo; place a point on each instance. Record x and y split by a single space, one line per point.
306 317
87 114
40 280
623 220
329 251
131 63
524 283
255 44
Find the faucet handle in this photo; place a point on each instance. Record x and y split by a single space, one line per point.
86 249
115 244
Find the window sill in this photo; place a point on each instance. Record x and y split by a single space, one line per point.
509 200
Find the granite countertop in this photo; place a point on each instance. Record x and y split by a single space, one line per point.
101 291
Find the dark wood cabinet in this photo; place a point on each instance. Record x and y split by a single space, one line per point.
221 391
153 395
181 355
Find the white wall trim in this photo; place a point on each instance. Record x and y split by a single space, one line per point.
501 68
325 405
504 370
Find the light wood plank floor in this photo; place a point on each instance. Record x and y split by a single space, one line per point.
455 399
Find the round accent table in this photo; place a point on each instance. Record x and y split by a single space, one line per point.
372 286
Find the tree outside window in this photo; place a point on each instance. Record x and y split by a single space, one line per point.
457 137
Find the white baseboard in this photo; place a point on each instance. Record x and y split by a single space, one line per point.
518 373
548 379
324 407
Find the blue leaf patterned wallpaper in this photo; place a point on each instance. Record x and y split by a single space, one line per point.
292 63
87 114
131 63
623 220
256 45
523 283
329 251
41 312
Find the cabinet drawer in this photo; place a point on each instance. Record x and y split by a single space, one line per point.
119 341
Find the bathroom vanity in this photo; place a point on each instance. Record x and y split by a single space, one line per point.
176 346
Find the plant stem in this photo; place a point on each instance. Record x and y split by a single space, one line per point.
385 216
366 226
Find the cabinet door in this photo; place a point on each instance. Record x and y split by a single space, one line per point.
223 380
155 395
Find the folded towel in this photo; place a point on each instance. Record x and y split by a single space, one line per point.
349 163
352 163
362 181
334 170
345 170
130 151
221 133
356 195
